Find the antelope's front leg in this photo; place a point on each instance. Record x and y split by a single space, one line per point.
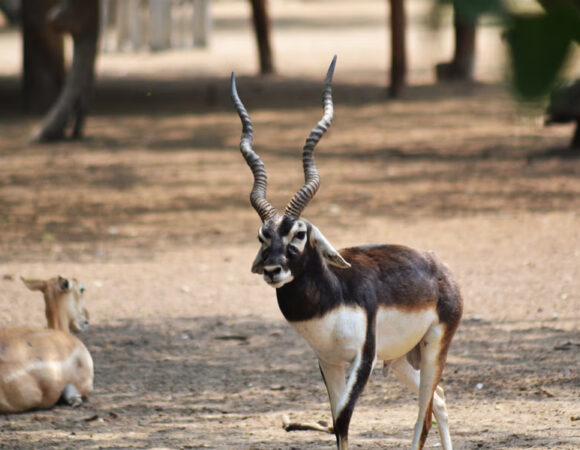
343 395
71 396
335 380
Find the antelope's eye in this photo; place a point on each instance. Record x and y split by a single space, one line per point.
64 284
300 235
261 239
292 250
82 289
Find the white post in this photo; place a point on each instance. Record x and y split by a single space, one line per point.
104 8
135 23
122 23
159 24
201 22
129 27
181 23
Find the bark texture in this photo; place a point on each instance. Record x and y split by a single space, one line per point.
43 72
460 68
564 107
81 20
262 29
398 47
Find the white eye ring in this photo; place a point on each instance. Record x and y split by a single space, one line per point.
292 249
301 235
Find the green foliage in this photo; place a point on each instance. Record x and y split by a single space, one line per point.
475 8
539 43
539 46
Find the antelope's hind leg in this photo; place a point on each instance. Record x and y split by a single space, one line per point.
433 353
410 377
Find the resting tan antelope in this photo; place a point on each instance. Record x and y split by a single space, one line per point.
357 305
40 366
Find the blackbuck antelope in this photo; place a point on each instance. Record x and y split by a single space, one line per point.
358 305
40 366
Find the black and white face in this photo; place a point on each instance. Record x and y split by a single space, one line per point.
285 243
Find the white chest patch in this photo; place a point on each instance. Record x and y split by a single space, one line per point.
399 331
336 337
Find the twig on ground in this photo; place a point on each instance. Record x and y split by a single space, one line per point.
288 425
545 392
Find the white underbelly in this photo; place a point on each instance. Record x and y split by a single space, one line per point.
398 331
336 337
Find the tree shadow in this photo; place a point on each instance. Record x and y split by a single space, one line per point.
192 381
202 95
565 153
167 165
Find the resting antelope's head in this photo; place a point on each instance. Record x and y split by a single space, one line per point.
287 241
63 303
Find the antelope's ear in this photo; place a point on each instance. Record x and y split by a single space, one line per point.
34 285
326 250
258 264
63 284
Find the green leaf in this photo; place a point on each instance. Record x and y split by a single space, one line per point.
539 45
472 9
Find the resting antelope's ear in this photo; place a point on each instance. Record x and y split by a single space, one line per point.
326 250
34 285
63 283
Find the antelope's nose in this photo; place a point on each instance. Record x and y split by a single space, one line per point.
84 325
272 271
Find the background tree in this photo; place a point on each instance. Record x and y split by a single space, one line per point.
540 45
81 20
43 71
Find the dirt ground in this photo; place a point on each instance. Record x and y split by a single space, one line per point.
151 213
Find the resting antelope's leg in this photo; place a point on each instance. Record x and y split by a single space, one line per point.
71 396
410 378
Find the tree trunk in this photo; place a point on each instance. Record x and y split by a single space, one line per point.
82 22
576 138
564 107
461 67
12 10
262 30
43 70
398 48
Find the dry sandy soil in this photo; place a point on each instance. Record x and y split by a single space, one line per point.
151 212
